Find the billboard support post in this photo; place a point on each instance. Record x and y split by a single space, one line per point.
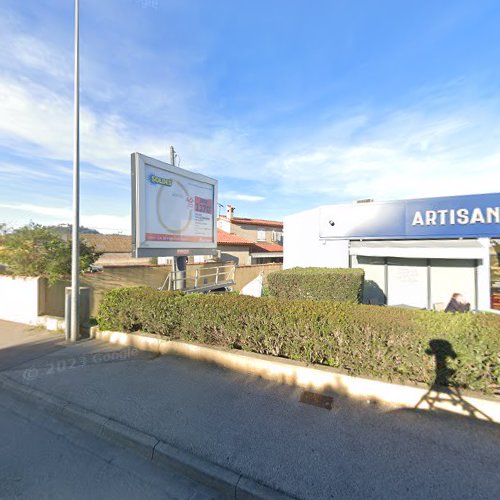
178 263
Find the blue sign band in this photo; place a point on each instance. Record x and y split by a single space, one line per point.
469 216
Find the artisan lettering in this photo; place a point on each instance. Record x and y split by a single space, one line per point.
462 216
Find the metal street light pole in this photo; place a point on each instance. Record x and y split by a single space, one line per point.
75 248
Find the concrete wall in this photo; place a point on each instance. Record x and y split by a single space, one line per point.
122 276
245 274
121 259
22 299
303 247
54 298
239 255
152 276
99 283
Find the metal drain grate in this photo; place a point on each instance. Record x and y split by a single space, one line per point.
315 399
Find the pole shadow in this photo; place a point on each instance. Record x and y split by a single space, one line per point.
443 390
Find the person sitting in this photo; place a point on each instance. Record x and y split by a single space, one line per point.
457 304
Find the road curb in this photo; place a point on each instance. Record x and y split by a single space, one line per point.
228 483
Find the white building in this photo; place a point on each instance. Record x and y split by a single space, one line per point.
414 252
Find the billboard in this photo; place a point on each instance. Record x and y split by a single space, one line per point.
468 216
173 210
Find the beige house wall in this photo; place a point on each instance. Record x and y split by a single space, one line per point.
249 232
239 255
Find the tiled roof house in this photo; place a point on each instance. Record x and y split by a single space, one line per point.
263 237
117 249
245 252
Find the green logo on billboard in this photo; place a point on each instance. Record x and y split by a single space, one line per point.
160 180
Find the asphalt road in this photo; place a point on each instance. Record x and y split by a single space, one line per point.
23 344
44 458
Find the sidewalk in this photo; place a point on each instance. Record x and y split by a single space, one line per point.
260 429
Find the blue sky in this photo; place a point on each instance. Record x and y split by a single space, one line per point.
288 103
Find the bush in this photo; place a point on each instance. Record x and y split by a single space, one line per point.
318 283
35 250
386 343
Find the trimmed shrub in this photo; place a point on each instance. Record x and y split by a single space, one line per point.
140 308
318 283
392 344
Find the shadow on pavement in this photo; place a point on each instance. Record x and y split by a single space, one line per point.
17 355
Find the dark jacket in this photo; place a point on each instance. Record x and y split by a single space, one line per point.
455 306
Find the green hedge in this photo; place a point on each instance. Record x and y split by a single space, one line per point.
319 283
381 342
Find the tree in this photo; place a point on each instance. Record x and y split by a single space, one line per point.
35 250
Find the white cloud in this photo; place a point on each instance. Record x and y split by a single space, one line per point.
37 122
104 223
108 224
26 51
57 212
21 171
231 195
405 154
33 120
36 115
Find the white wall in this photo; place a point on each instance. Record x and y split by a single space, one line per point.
21 299
483 276
303 247
224 224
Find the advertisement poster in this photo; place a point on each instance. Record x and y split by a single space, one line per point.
178 209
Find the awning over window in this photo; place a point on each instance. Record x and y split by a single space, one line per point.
428 249
266 254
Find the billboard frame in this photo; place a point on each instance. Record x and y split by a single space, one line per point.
143 248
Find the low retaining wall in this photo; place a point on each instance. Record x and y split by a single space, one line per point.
315 377
22 299
245 274
126 276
